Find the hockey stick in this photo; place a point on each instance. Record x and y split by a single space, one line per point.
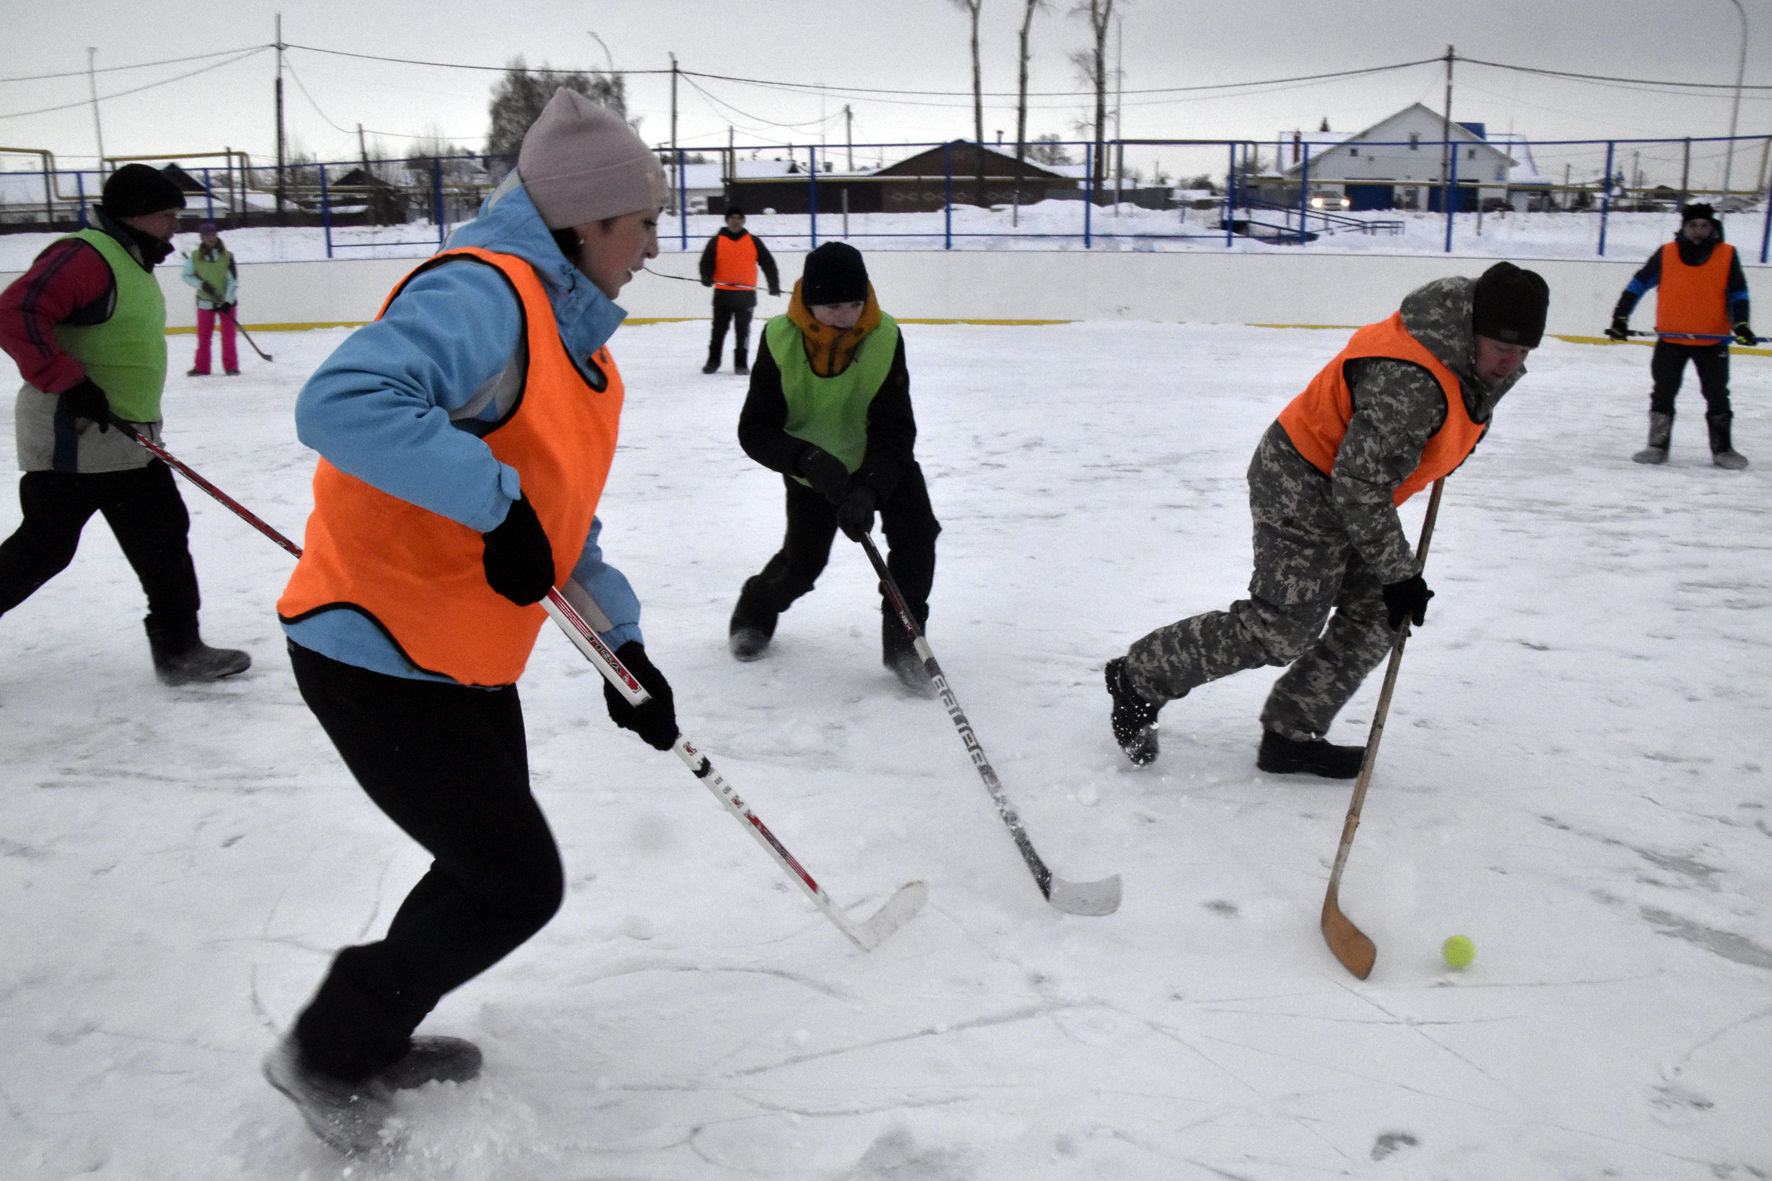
866 934
1356 952
1696 337
728 286
179 466
1089 898
241 328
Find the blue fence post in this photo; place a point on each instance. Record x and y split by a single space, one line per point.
1606 197
1304 191
1230 201
682 201
1766 232
325 211
1088 191
812 192
947 196
437 196
1451 190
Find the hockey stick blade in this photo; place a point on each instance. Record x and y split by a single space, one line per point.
1087 898
899 909
1347 943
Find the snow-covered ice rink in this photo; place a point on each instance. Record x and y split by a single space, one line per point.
1574 774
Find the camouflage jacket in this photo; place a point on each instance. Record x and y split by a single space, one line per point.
1398 407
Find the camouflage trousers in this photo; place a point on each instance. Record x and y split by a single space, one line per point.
1307 575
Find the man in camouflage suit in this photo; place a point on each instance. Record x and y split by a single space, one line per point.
1401 406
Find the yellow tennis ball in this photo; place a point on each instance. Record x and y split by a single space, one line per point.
1459 951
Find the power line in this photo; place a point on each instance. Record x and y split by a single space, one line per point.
138 89
244 51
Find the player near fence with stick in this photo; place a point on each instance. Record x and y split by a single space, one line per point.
1403 404
210 269
1701 307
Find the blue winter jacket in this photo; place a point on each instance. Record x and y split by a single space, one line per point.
394 406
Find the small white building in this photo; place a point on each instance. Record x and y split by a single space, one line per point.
1399 162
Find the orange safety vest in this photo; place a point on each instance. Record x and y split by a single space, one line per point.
1694 300
1316 420
735 263
420 576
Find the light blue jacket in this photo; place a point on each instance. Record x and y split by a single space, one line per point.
395 406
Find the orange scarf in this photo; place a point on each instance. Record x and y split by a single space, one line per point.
829 350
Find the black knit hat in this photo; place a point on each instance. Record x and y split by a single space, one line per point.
834 274
135 189
1509 305
1697 210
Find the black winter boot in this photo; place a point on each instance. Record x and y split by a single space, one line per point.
1721 453
1281 755
1134 719
898 652
1661 431
182 658
433 1059
749 632
741 360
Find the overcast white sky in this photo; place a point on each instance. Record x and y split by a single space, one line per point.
875 57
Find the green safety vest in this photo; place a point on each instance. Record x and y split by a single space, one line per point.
213 271
832 411
125 355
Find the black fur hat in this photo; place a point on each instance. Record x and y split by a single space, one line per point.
135 189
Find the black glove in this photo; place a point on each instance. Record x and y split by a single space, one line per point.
707 282
1620 329
226 309
518 559
855 516
774 290
1745 334
824 471
1407 600
656 721
86 400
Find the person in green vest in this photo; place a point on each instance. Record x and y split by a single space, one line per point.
210 269
87 328
829 408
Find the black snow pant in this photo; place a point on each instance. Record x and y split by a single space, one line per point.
907 520
732 308
1668 364
145 512
449 764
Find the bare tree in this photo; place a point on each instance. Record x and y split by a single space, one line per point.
970 8
1048 149
521 94
1093 64
1021 102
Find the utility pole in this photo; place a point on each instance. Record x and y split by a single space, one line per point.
97 129
1735 109
1446 148
676 156
849 134
280 156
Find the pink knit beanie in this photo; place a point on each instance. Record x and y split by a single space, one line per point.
581 163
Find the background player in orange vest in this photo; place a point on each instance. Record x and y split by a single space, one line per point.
729 265
465 437
1335 576
1703 302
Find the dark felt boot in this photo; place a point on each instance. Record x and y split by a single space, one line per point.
1721 452
1661 431
1134 719
1280 755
